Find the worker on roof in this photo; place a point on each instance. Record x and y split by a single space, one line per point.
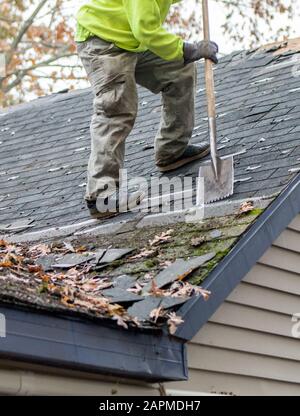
123 43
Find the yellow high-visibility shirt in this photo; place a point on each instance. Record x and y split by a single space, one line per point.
133 25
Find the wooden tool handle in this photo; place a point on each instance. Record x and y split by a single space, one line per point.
209 75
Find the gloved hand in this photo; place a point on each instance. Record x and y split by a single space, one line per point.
205 49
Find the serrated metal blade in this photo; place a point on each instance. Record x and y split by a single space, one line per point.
216 189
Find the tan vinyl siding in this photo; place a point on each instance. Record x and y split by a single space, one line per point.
248 347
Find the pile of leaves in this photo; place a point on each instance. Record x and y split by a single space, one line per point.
80 288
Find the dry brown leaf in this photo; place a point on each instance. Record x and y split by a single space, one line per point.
198 241
162 238
205 293
173 322
81 249
155 290
186 289
39 250
136 289
144 253
69 247
34 268
246 207
6 263
95 285
120 321
136 322
67 301
115 309
156 313
3 243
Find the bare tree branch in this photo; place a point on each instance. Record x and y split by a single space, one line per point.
24 29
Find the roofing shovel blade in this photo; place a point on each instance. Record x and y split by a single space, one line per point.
219 174
216 189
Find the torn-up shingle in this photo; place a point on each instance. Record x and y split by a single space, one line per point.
124 281
117 295
179 270
141 310
113 254
47 262
72 260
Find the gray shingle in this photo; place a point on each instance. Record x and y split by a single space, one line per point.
37 138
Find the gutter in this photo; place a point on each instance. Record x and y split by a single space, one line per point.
233 268
71 343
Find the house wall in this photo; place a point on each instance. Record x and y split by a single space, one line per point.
247 347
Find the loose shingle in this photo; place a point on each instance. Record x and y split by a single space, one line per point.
113 254
117 295
179 270
72 260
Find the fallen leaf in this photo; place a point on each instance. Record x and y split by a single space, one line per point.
162 238
205 293
34 268
137 289
69 247
39 250
6 263
198 241
144 253
155 290
80 249
67 301
136 322
120 321
246 207
173 322
156 313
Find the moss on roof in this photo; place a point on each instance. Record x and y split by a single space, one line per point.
154 249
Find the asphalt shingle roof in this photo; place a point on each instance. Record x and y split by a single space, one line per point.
44 149
45 144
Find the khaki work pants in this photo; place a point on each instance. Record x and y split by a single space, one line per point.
113 74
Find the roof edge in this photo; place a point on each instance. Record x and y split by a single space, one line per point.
81 345
241 259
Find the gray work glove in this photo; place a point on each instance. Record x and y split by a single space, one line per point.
205 49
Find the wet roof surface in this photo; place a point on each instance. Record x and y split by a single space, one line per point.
138 278
45 144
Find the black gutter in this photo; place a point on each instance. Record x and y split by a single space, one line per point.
87 346
233 268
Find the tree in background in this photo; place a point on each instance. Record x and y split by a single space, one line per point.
246 22
36 37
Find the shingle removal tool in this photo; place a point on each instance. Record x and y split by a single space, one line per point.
218 175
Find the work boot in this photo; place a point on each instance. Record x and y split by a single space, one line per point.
190 154
113 205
